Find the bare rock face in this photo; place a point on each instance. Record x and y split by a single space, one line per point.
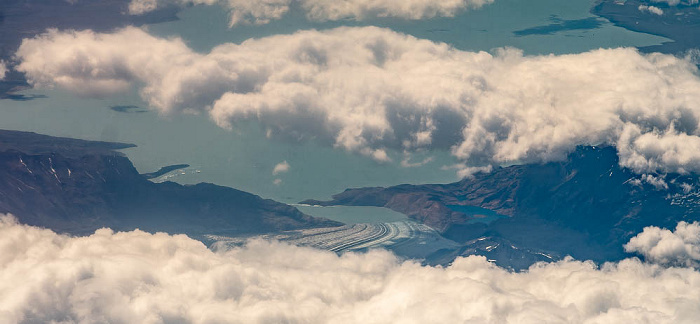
77 186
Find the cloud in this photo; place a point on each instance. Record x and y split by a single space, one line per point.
135 277
651 9
678 248
468 172
263 11
687 188
409 9
406 162
658 182
675 2
281 167
370 90
139 7
3 70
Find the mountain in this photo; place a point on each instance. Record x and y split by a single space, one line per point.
76 186
677 22
586 206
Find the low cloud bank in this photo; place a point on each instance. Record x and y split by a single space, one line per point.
674 248
263 11
136 277
370 89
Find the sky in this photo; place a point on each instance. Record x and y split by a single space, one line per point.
356 87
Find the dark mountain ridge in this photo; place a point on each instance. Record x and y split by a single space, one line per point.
678 22
76 186
586 206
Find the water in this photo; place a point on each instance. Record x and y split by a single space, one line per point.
481 215
493 26
244 159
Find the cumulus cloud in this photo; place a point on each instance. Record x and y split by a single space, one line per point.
242 11
409 9
263 11
136 277
651 9
369 90
281 167
3 70
678 248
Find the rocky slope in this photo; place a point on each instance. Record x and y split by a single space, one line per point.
77 186
678 22
586 206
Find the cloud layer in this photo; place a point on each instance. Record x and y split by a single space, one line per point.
263 11
370 89
678 248
157 278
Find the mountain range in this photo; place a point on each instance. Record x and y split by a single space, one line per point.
76 186
586 206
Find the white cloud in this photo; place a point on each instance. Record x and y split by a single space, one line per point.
242 11
651 9
687 188
136 277
3 70
281 167
369 89
408 9
468 172
139 7
406 162
263 11
675 2
678 248
658 182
